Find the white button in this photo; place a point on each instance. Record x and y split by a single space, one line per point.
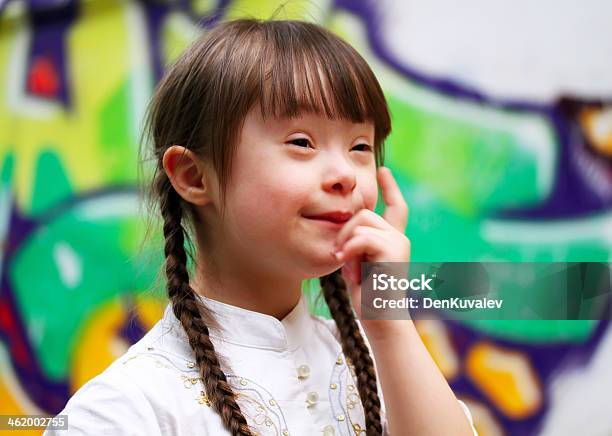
329 431
312 398
303 371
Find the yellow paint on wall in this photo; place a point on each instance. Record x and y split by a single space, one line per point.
298 9
100 343
9 405
93 351
97 61
435 336
506 377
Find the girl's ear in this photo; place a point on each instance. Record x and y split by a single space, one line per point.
188 175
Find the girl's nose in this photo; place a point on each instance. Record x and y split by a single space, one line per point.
341 179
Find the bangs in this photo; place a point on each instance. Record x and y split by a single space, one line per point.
305 70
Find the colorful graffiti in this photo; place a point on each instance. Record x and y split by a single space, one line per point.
486 177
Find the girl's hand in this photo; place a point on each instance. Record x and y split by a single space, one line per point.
368 237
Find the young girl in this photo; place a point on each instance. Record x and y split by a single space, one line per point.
269 137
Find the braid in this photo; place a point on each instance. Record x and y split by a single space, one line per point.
188 311
354 348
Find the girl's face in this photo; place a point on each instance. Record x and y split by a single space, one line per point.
286 170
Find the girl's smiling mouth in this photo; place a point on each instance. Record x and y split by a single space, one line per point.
337 216
335 219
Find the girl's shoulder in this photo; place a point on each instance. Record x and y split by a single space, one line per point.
110 403
149 390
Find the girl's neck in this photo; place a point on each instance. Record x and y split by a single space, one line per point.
272 297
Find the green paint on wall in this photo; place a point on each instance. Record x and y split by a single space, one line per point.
80 264
471 168
116 147
51 184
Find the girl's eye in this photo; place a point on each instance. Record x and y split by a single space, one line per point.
305 143
366 147
300 142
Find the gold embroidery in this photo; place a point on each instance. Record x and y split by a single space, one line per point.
189 381
352 401
259 408
203 398
261 416
343 382
358 429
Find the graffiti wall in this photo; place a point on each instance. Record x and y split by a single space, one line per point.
501 143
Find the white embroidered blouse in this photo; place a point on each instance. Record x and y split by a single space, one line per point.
291 378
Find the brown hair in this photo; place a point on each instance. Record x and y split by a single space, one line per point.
287 67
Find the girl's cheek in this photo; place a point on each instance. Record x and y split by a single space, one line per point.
274 200
293 186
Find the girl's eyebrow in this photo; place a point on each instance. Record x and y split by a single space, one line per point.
310 127
290 122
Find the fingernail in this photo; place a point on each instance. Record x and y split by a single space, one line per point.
339 255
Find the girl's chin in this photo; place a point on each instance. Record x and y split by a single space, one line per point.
326 266
318 259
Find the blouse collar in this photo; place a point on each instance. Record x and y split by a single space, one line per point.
253 329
